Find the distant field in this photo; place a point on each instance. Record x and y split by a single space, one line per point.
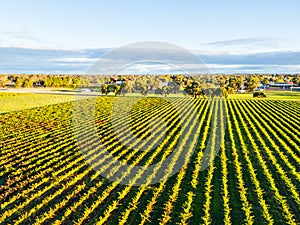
24 99
280 95
20 101
44 178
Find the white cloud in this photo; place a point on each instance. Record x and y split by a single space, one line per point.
26 60
75 60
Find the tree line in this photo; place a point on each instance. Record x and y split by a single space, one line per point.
196 85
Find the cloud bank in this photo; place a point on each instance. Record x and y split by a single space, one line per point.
27 60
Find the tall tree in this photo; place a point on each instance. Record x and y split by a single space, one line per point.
19 82
252 83
105 89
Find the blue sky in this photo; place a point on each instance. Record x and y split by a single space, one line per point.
220 29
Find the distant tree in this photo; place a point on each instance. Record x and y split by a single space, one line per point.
239 82
105 89
158 91
252 83
230 90
85 82
232 83
157 84
47 82
224 92
280 79
265 82
188 82
141 85
123 91
195 90
165 90
178 79
296 80
127 87
3 80
144 91
28 83
19 82
117 90
174 86
76 81
150 82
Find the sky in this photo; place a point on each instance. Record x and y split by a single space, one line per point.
63 36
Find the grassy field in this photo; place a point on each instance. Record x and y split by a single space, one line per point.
24 99
280 95
254 178
20 101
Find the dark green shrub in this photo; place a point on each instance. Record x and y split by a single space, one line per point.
259 95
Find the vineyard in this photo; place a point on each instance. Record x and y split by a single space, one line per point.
254 178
